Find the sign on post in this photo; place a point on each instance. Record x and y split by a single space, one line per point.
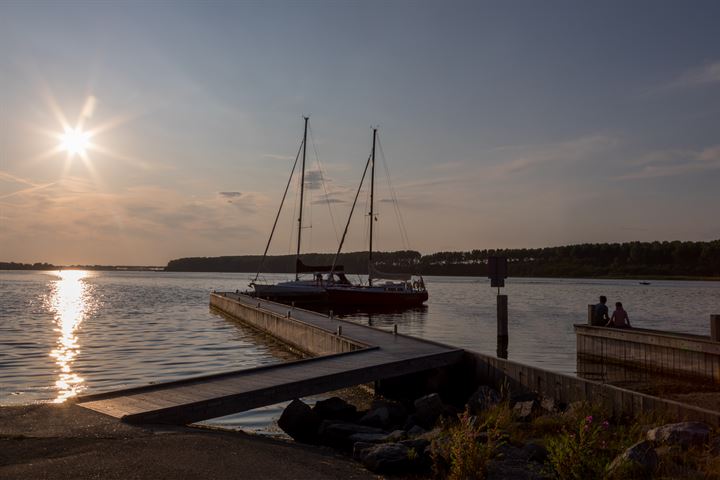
497 271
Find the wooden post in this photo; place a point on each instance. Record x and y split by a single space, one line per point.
502 315
715 328
339 330
502 326
591 312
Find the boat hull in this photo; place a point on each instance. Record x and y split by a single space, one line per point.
372 297
298 294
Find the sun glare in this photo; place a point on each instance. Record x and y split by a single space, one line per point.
75 141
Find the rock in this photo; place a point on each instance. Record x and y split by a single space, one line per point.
428 409
534 452
396 436
360 449
524 397
337 434
637 461
300 422
683 434
512 463
549 405
418 444
525 410
335 408
415 431
482 399
368 438
377 417
388 458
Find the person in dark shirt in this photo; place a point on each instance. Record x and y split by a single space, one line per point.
600 313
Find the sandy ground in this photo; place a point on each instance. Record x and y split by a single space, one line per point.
67 441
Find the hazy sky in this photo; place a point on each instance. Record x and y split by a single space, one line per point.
504 124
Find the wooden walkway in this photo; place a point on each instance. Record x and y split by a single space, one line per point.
200 398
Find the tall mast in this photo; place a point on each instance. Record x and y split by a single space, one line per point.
302 191
372 201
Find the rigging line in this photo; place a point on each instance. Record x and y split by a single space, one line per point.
292 219
403 230
322 181
347 225
277 216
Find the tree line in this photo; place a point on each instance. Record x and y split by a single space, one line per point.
630 259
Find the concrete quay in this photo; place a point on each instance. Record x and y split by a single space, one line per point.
345 354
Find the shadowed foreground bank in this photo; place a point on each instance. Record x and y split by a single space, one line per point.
66 441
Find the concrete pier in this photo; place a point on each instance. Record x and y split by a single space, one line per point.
671 353
349 356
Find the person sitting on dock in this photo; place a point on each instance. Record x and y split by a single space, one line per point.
600 313
619 318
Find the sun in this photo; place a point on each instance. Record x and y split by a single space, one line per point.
75 141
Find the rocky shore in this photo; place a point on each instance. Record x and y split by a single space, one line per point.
498 437
66 441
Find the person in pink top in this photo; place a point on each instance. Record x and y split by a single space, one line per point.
619 317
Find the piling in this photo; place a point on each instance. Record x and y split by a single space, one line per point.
591 312
715 328
502 326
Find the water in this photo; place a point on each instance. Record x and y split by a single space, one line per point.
71 332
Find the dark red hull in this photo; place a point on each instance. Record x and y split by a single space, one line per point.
371 297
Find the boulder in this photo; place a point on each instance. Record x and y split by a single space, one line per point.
389 458
300 422
396 436
534 452
418 444
360 449
335 408
415 431
482 399
337 434
683 434
368 438
549 405
637 461
378 417
428 409
525 410
512 463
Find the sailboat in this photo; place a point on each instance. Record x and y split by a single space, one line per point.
383 290
305 291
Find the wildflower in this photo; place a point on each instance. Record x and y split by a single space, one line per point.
589 419
605 424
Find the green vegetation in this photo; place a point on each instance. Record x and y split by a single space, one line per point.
686 260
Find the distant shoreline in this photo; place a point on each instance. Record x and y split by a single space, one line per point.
110 268
674 260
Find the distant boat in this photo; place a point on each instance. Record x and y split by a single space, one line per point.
644 283
395 290
301 290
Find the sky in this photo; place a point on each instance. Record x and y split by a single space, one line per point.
502 124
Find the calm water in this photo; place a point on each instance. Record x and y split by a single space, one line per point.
70 332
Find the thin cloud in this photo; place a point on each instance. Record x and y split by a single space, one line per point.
230 195
673 163
695 77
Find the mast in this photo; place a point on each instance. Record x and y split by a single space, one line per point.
302 191
372 213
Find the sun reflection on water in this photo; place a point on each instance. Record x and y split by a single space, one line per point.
69 300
